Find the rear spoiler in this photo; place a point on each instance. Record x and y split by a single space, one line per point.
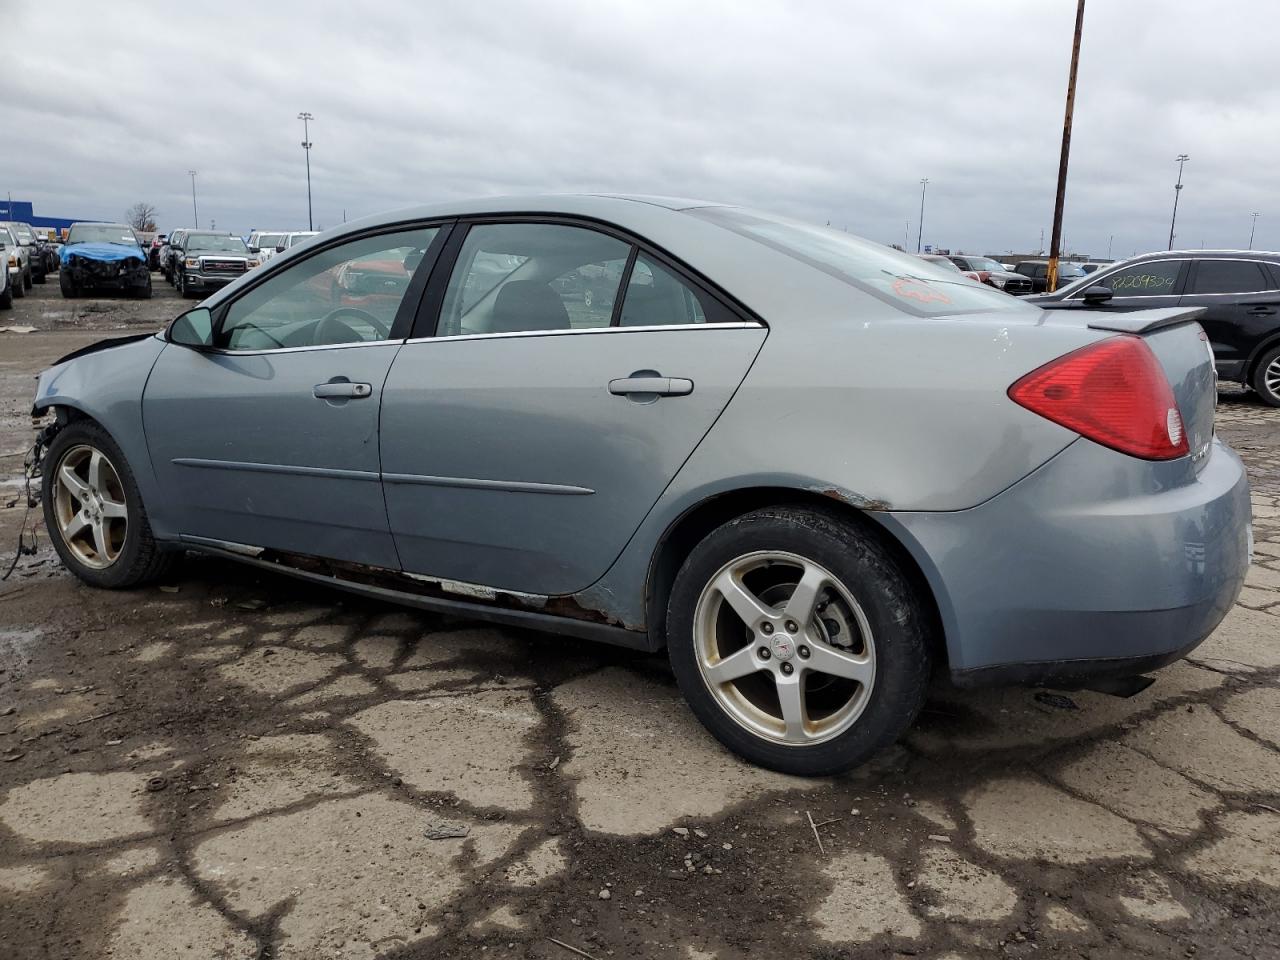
1144 321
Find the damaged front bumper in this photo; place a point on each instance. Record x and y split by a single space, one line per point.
86 273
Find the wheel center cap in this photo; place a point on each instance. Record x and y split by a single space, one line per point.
784 648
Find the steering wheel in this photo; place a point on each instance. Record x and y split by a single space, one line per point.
331 324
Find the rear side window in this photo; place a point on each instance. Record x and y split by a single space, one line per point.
1229 276
1158 279
657 297
520 277
899 279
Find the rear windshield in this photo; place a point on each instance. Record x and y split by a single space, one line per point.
899 279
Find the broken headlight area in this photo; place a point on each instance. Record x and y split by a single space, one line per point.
89 272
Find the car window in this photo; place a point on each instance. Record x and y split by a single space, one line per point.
1229 276
516 277
347 294
1156 279
657 297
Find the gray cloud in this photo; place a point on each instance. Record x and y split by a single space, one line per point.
828 111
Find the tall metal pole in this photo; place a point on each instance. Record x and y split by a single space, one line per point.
924 185
1253 228
1051 282
1177 189
194 212
306 119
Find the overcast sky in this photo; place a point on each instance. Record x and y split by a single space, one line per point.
827 111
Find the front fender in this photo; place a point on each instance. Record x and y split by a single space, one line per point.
106 385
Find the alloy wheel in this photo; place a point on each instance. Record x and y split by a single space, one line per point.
90 506
784 648
1271 377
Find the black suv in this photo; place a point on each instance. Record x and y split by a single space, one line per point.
1037 271
1239 289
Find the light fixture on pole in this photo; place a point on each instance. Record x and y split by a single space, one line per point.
195 214
1252 229
306 119
1177 189
924 185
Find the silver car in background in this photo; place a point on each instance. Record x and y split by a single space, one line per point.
812 469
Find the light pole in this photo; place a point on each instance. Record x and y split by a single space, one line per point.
1252 228
306 119
1177 189
1051 282
924 185
194 212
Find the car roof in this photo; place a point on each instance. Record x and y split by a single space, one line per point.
1206 255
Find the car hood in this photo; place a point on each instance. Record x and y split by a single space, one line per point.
108 252
102 345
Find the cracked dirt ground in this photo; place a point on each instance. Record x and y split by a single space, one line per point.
250 767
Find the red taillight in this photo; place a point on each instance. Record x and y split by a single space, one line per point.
1114 393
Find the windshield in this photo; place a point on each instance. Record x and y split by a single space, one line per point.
271 240
216 243
899 279
22 232
984 263
943 262
296 238
102 233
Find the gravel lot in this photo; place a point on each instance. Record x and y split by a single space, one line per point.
237 765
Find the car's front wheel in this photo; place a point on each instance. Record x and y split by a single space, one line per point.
93 510
1266 377
68 287
798 640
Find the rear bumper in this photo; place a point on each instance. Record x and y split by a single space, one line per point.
1096 565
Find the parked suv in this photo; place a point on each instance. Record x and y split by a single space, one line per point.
208 261
997 275
172 248
1239 289
18 258
1038 272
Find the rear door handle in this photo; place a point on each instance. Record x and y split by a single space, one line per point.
654 386
342 390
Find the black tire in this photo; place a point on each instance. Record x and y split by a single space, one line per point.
140 560
1270 393
19 291
897 616
6 297
69 289
26 279
143 293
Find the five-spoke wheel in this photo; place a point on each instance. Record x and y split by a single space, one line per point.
93 518
798 639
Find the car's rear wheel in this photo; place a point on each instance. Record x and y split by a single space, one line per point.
1266 377
798 640
19 290
6 295
93 510
26 279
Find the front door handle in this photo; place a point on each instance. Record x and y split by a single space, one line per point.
1262 310
651 386
342 390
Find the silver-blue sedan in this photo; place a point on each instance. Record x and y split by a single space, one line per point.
813 469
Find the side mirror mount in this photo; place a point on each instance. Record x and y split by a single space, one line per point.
255 249
280 249
1097 294
192 329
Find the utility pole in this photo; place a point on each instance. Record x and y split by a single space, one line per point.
1252 229
1056 237
306 119
1109 239
1177 189
924 185
195 214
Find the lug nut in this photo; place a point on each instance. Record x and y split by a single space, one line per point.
791 626
803 651
766 628
787 668
763 653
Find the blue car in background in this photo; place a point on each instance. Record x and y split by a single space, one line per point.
104 256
